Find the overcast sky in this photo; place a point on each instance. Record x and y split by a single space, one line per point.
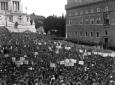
45 7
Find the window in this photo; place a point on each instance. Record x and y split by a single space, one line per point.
92 11
86 34
98 20
97 34
18 5
106 32
76 13
98 10
106 19
92 21
69 33
70 21
81 20
70 14
81 34
4 5
76 33
87 21
91 34
86 12
106 9
81 12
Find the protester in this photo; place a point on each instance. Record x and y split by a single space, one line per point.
32 59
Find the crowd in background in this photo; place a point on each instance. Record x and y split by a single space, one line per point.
32 59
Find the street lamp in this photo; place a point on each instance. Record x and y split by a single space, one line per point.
5 18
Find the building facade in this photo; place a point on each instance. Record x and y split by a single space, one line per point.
11 13
91 21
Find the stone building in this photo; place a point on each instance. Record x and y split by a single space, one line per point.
91 21
11 13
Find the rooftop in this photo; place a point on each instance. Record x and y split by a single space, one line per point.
76 3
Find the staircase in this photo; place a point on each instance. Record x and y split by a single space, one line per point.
21 28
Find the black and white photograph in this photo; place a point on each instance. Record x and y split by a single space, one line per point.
57 42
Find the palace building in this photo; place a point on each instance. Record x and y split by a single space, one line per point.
11 13
91 21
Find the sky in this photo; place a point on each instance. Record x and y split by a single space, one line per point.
44 7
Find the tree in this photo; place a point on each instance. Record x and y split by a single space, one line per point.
56 25
37 19
38 22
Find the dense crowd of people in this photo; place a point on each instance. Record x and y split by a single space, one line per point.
32 59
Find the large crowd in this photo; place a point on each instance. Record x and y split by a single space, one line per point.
32 59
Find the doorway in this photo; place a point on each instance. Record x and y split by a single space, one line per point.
106 43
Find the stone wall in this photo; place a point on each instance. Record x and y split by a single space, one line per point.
78 22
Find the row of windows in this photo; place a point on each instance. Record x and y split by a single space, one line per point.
85 34
86 21
4 5
17 5
90 20
88 11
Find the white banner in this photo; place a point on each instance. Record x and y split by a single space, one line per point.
52 65
68 62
